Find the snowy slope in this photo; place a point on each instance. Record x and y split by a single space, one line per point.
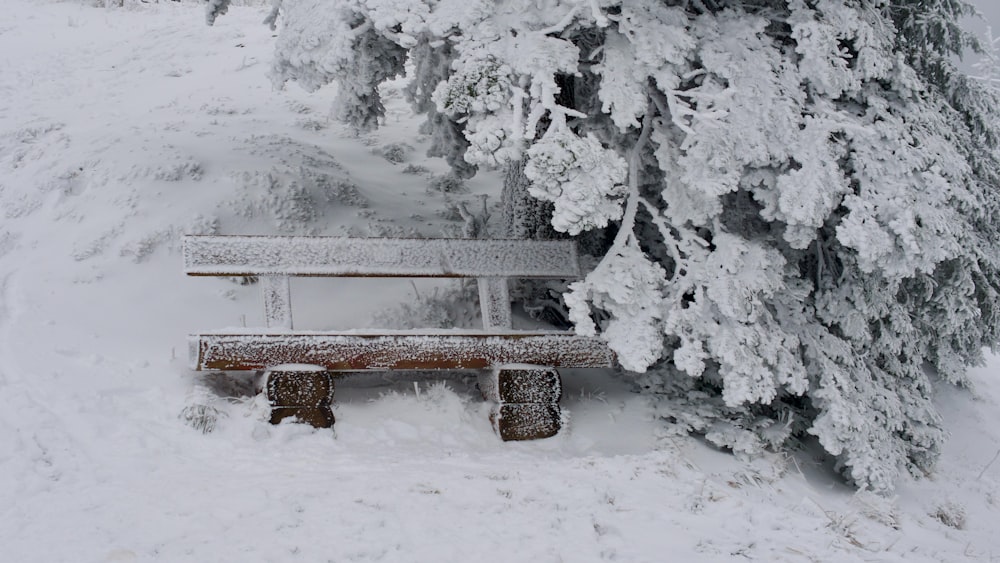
121 130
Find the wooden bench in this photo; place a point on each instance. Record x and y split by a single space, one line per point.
516 368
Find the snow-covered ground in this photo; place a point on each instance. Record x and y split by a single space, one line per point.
120 130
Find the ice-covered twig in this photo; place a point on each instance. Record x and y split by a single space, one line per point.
567 112
517 97
361 29
476 225
672 103
563 23
531 124
988 465
632 203
598 15
667 233
667 106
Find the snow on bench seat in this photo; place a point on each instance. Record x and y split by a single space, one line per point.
356 351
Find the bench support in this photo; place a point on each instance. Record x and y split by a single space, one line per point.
305 395
525 401
277 301
494 299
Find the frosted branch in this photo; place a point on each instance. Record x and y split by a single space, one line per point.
517 97
598 15
361 29
567 112
666 231
534 116
676 112
632 203
563 23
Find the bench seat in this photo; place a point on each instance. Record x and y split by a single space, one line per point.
410 350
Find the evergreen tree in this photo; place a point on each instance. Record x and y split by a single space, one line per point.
803 193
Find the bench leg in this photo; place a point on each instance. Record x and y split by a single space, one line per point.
526 401
305 395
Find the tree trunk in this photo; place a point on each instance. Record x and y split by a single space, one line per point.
524 217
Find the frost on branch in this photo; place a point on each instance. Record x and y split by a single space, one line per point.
376 60
431 64
903 218
324 41
649 35
400 20
726 322
490 143
480 89
483 88
584 180
628 286
315 45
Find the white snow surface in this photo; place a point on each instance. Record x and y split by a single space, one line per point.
120 131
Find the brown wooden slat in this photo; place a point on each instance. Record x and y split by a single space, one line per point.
359 352
363 257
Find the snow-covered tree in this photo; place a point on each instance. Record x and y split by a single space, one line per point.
801 194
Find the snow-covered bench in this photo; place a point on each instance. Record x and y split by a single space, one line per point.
517 368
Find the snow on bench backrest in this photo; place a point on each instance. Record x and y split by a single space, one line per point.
274 259
337 256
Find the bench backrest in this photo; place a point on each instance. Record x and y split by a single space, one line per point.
275 258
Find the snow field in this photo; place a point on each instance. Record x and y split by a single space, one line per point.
121 130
